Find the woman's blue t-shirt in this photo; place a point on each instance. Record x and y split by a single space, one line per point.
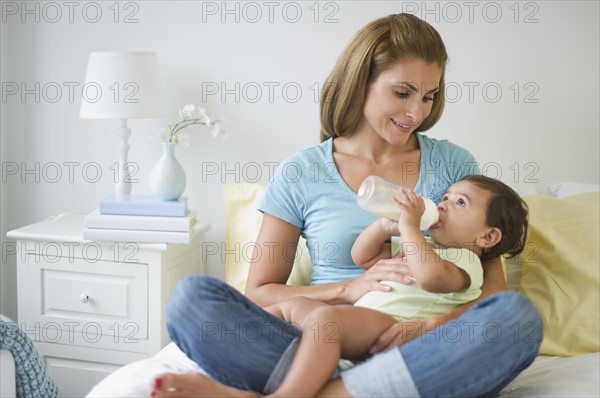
308 192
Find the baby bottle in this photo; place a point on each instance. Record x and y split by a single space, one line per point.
375 196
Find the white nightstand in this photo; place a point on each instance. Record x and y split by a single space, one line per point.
92 307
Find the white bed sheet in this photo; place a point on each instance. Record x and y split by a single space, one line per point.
547 377
135 379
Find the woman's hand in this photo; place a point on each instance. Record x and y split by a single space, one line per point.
403 332
391 269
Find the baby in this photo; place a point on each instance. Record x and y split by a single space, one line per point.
480 218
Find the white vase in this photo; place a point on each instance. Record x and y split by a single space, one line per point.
167 180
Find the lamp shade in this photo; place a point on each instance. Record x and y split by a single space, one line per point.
122 85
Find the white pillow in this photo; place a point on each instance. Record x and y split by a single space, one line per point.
567 188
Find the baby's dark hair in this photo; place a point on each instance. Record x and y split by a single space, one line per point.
505 211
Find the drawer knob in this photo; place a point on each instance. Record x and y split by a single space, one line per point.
84 298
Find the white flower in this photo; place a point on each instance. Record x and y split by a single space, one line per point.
182 139
203 116
215 130
172 132
187 111
162 135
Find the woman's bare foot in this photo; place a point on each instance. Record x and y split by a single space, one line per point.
194 385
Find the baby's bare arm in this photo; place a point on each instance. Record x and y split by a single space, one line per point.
371 246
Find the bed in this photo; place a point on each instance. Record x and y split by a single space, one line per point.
559 272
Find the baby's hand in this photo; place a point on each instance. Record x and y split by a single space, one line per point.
412 207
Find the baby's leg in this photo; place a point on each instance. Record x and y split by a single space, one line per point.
359 328
330 332
294 310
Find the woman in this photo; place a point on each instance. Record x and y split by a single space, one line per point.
386 87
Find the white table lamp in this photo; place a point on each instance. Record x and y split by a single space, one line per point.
122 85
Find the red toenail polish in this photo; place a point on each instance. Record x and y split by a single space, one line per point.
157 383
153 394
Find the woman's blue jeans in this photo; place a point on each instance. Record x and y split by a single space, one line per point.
241 345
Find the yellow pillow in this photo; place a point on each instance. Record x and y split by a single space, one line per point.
241 229
561 271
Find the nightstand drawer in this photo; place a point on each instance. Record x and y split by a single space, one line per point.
76 369
87 298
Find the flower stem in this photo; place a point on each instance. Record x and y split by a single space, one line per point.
183 124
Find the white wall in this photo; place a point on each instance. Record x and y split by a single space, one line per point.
522 96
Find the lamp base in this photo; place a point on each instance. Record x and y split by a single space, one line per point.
123 183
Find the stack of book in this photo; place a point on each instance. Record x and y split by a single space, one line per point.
143 219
